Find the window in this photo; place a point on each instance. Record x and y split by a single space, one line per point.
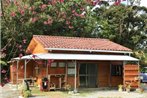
71 64
71 68
116 70
37 70
54 64
61 64
71 71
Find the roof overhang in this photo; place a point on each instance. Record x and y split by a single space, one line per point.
77 57
88 50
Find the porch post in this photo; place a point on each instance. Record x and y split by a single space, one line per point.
12 74
110 79
66 72
139 82
47 69
0 74
25 70
75 85
124 63
17 75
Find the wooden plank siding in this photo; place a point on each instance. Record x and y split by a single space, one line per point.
35 47
104 78
131 72
103 74
13 71
116 80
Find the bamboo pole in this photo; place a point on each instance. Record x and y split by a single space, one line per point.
25 70
75 84
17 75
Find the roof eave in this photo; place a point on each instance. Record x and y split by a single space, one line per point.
87 50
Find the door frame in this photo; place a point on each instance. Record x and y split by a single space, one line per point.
87 75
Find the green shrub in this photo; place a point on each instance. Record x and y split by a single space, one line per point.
26 93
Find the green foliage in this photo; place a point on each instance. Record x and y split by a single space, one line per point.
22 19
3 63
26 93
142 56
3 73
125 25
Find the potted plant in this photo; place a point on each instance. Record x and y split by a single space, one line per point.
120 88
128 88
140 90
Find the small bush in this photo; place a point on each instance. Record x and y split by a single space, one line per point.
26 93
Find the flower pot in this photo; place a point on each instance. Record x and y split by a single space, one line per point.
128 90
120 89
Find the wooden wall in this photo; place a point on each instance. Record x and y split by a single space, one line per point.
13 71
104 78
116 80
55 72
131 72
35 47
103 74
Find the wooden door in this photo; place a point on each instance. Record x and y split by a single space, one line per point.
103 74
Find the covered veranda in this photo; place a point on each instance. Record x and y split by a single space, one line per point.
72 57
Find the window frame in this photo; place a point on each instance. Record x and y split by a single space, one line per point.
70 68
55 66
116 70
63 66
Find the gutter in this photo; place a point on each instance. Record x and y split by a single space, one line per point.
87 50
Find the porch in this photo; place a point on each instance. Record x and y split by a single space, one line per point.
76 70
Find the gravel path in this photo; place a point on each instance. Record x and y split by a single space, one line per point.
110 94
9 91
114 94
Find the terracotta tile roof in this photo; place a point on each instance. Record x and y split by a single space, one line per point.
79 43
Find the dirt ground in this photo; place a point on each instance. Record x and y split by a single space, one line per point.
10 91
97 94
91 93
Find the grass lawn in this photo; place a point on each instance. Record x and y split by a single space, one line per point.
88 93
52 94
58 94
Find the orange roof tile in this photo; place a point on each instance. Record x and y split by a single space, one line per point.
79 43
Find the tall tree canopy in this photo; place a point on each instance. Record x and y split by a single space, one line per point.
22 19
126 25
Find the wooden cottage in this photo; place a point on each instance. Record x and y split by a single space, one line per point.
75 61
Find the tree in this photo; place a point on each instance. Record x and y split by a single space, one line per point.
22 19
4 73
125 25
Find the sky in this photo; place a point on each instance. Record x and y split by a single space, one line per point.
143 3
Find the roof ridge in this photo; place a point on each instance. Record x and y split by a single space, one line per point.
70 37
